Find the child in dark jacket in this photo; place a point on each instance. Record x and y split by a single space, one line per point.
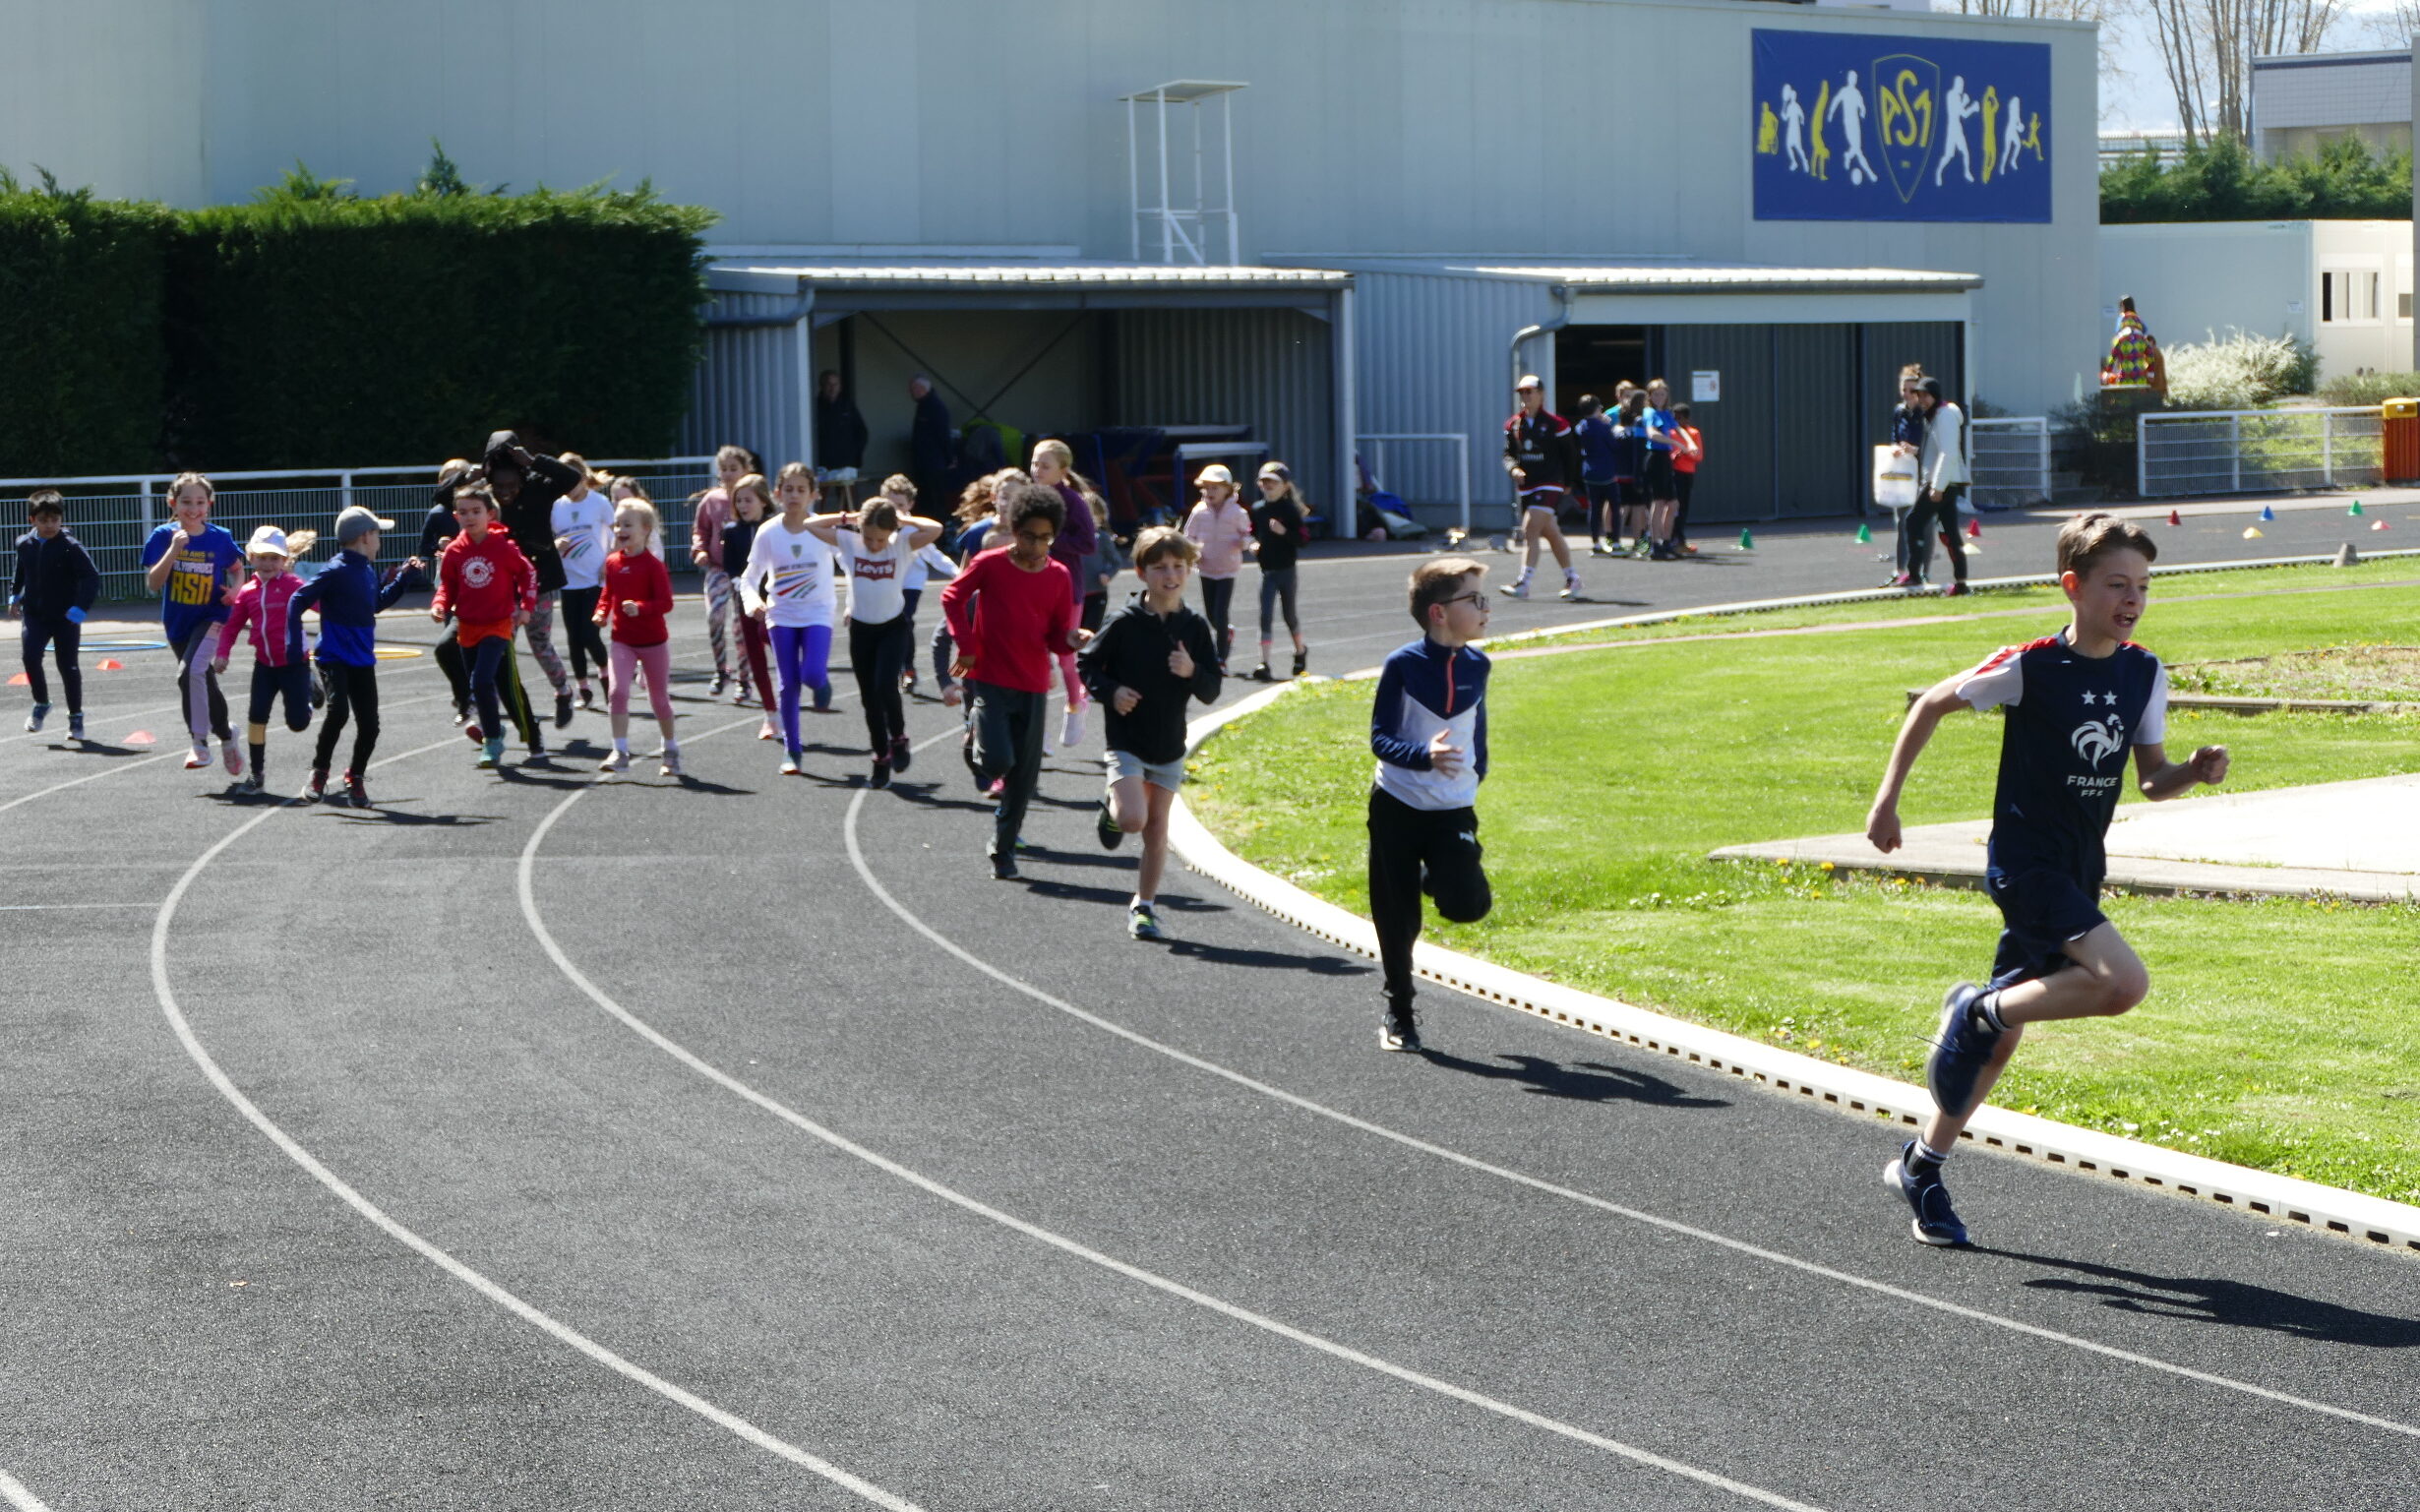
1150 659
53 591
348 596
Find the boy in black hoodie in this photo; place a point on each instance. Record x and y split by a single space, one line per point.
527 485
54 589
1148 660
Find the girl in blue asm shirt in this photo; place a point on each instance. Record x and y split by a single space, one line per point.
2078 704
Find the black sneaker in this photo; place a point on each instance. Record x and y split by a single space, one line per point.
1105 826
1936 1222
1302 661
722 680
1262 674
354 793
1143 922
75 727
563 711
587 696
902 754
882 773
1397 1030
1004 865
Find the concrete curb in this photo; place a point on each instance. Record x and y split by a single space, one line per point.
2328 1209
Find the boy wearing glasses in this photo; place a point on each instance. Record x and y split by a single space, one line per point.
1430 732
1012 613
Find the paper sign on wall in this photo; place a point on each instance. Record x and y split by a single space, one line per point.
1706 387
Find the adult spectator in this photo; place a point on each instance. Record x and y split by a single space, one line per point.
928 442
1908 439
1941 480
840 431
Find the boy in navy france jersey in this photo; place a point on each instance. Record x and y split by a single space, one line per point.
2077 702
1429 729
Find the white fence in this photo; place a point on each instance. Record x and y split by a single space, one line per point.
1434 480
113 514
2011 461
2256 451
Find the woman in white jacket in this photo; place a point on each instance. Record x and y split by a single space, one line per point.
1941 472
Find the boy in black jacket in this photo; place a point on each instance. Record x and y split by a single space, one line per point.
1148 660
54 589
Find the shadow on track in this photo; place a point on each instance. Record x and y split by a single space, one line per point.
2236 1303
1584 1081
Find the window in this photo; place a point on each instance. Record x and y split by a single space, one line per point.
2349 296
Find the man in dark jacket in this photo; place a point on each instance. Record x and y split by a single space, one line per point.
1144 666
840 431
527 485
53 591
929 449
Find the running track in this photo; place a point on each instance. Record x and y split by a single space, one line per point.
540 1144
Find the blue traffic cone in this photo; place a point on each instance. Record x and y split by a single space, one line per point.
2268 513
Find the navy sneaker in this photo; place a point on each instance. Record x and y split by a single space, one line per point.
1936 1222
1960 1054
1004 865
34 721
1397 1031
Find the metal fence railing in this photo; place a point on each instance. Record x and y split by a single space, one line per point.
2256 451
2011 463
113 515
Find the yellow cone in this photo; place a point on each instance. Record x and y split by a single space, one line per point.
2251 532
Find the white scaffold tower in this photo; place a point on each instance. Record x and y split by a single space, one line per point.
1182 234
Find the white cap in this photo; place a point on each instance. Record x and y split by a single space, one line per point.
1216 473
1527 381
267 538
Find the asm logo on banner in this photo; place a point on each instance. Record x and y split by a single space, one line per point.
1850 126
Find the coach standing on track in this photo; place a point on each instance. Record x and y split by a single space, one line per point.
1543 459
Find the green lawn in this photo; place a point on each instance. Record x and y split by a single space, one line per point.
2280 1034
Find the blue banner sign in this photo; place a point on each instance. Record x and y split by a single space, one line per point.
1850 126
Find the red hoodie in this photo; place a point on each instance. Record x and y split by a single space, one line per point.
484 582
1012 621
640 578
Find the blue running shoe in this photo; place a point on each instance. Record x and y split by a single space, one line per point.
1936 1222
1960 1053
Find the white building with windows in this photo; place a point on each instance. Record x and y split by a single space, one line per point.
2344 286
2299 102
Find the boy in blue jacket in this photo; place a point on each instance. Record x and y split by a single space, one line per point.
1430 732
54 589
348 596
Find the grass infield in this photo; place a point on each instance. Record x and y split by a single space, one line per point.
2280 1034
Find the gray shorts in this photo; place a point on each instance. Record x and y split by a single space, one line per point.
1121 764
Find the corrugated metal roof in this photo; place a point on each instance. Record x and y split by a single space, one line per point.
1625 275
751 278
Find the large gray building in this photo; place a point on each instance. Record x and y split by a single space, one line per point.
951 185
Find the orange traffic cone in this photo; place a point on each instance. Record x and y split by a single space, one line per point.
111 664
1975 530
141 738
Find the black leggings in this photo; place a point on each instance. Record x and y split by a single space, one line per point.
1217 599
292 682
352 691
1412 851
63 636
1276 589
1934 514
579 627
878 654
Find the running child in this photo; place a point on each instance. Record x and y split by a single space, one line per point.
1054 467
1223 529
1543 463
752 504
1429 729
488 588
54 589
264 608
1011 610
787 584
881 641
1280 525
705 534
975 516
526 485
2077 703
637 590
899 492
584 525
348 596
195 566
1150 659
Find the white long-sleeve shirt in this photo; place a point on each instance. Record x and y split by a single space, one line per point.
1944 458
792 570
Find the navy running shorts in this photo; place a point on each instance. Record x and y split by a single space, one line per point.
2040 911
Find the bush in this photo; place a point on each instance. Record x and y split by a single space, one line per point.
2221 180
313 326
2369 387
2238 370
79 323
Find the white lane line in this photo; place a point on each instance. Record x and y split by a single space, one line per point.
951 1195
18 1496
35 908
857 857
294 1151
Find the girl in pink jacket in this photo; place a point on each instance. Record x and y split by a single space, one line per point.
280 667
1224 529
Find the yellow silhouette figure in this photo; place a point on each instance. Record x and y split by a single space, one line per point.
2033 137
1823 154
1768 128
1991 112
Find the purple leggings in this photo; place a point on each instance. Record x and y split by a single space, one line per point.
801 653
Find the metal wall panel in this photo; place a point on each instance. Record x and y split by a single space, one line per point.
1273 370
1735 481
1820 469
745 390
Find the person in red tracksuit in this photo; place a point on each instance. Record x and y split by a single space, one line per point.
484 582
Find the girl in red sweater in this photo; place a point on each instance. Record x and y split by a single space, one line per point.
638 595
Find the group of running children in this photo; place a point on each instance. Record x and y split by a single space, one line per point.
1635 466
2079 702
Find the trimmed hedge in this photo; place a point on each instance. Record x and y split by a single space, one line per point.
2221 180
315 328
81 286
